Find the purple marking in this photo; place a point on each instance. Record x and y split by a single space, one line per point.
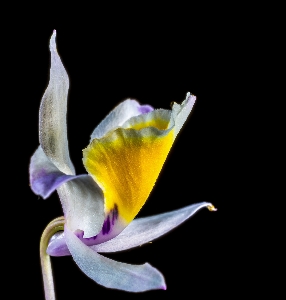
58 247
106 226
144 109
114 213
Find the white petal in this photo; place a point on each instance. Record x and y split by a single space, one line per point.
144 230
182 111
110 273
83 205
121 113
52 118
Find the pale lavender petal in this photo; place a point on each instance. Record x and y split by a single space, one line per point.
144 109
45 177
144 230
52 116
138 232
57 245
110 273
119 115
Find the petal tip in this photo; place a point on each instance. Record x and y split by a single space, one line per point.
211 208
53 46
191 98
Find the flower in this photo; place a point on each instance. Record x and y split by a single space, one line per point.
123 160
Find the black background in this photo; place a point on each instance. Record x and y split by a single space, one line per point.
155 63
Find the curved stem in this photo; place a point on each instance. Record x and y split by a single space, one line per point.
53 227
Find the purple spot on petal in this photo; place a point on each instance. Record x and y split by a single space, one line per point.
106 226
144 109
114 213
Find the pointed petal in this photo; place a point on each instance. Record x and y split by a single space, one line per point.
110 273
127 162
120 114
144 230
52 118
181 111
138 232
45 177
83 205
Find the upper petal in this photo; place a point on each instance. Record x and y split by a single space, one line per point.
120 114
144 230
52 116
126 163
110 273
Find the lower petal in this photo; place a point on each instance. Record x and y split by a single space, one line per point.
110 273
144 230
138 232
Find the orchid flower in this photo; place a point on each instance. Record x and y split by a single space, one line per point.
124 158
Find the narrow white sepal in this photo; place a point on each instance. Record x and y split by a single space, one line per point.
144 230
52 115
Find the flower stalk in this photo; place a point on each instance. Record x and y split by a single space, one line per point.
53 227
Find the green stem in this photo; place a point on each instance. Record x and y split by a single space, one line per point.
53 227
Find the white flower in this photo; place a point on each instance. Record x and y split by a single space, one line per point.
123 160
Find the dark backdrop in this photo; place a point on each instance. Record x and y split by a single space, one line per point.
155 65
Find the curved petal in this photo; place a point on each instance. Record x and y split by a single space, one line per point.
144 230
110 273
127 162
45 177
52 116
120 114
81 197
138 232
83 205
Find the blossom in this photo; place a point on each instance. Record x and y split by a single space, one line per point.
124 158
